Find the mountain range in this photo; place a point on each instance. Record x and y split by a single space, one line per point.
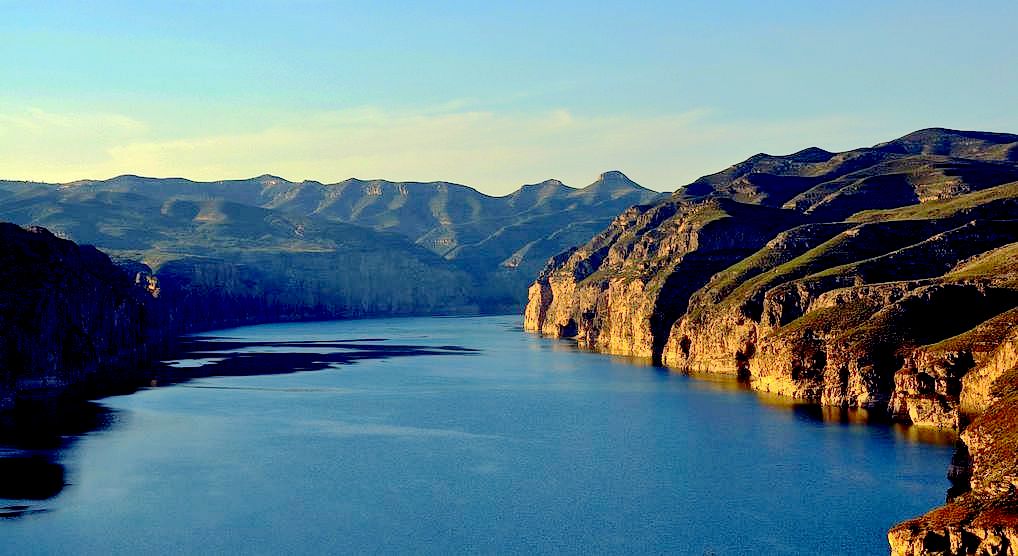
484 249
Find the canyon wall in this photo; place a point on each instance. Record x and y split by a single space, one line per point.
70 317
883 278
862 279
67 313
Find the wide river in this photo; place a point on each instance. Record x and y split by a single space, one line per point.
404 443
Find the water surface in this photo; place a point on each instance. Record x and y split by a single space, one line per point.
524 445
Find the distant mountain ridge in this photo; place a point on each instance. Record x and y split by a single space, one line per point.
499 242
413 209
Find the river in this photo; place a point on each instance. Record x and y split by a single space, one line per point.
452 435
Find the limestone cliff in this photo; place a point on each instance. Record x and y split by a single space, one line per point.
621 292
985 519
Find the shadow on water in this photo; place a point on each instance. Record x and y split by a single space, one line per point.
32 436
231 357
39 428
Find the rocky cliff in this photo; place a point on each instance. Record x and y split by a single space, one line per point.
67 315
983 520
883 277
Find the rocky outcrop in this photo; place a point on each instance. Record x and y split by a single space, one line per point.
849 312
815 314
983 520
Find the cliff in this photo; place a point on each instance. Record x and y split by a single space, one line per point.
67 315
620 292
884 277
985 519
71 318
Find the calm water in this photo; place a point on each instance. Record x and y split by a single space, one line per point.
524 446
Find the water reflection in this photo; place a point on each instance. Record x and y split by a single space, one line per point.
35 433
857 416
34 477
32 437
926 435
806 411
717 382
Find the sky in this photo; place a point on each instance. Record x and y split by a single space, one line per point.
489 94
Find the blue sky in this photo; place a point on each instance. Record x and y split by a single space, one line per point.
485 93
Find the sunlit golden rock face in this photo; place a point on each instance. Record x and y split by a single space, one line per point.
884 279
850 311
983 520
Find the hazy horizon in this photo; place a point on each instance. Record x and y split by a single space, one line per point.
359 178
491 96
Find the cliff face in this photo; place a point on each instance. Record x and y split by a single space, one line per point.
884 278
985 519
263 287
808 275
621 292
67 313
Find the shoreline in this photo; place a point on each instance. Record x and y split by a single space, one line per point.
974 516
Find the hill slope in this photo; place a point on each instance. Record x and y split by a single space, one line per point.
258 263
